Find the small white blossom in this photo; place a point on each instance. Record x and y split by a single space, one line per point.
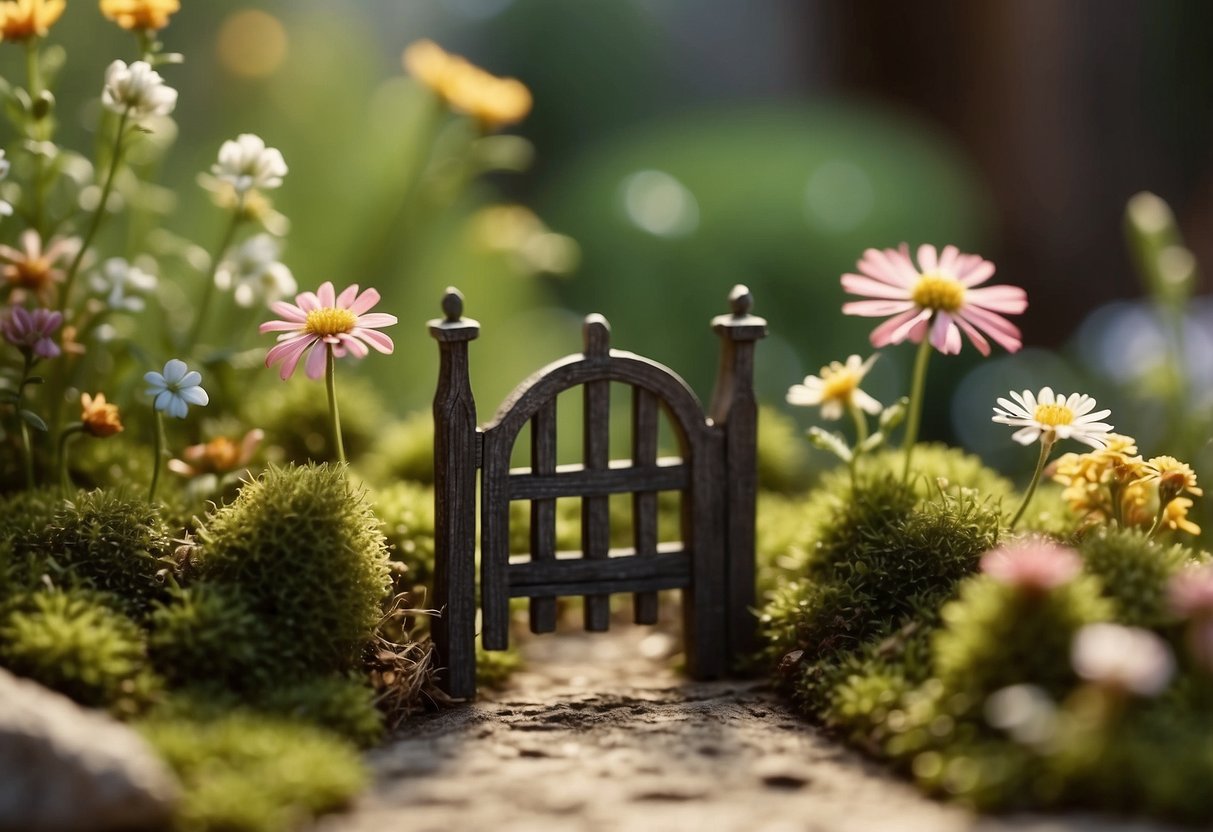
176 388
118 281
255 273
137 90
1050 417
247 163
836 389
1128 659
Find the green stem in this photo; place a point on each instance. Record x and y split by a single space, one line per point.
861 434
330 382
65 481
99 214
34 76
208 290
1046 445
916 393
26 444
158 453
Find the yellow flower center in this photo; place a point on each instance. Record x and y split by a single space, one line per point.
935 291
1052 415
330 321
839 386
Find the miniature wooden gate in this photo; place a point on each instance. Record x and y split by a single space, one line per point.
713 565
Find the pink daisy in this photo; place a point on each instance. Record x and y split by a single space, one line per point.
339 322
1033 565
936 296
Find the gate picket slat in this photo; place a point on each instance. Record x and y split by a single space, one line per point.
644 503
595 510
543 512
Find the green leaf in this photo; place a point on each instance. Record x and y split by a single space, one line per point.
35 380
33 420
871 443
832 442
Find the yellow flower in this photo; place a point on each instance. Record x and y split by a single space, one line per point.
24 19
1175 516
466 88
1092 480
98 417
149 15
1172 476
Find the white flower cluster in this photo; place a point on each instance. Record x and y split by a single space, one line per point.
137 91
247 163
254 272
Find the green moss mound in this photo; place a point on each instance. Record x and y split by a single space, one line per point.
107 541
996 635
784 465
406 512
245 772
1134 572
207 632
75 643
404 451
342 704
303 550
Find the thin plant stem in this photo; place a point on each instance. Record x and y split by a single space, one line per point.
27 446
917 386
99 214
34 76
65 481
330 382
158 445
1162 512
1046 446
208 290
861 434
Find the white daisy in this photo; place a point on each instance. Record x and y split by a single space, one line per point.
247 163
176 388
137 90
836 389
119 281
1127 659
1049 417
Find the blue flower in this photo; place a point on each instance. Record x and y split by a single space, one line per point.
176 388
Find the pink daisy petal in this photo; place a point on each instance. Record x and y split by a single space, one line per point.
289 353
368 299
314 368
876 308
347 296
376 319
353 344
868 287
1002 331
278 326
948 258
976 272
893 330
307 301
982 345
288 311
927 261
919 330
890 266
376 339
1010 300
326 295
945 337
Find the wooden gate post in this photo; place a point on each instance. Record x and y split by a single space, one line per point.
455 463
735 410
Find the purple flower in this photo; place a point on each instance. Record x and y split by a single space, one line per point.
30 330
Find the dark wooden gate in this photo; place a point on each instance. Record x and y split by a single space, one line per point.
713 564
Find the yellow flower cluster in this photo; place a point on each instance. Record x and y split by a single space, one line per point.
1114 484
466 88
149 15
25 19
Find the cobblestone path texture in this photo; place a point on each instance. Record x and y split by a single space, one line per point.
599 735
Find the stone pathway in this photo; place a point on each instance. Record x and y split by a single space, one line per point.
599 735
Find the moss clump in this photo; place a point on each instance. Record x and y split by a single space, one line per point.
1134 571
303 550
245 772
341 704
784 465
995 635
73 642
495 667
406 512
106 541
298 427
207 632
25 512
404 451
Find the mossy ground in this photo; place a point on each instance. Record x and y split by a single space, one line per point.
879 624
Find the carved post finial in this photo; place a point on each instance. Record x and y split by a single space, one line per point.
740 300
597 336
452 304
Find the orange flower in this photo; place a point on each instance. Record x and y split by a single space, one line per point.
34 270
219 456
148 15
25 19
466 88
98 417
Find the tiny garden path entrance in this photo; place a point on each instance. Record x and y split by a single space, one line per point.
594 736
